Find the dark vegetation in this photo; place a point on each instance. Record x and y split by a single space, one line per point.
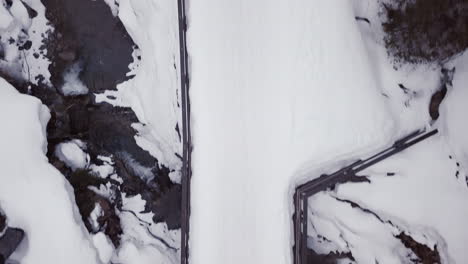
425 31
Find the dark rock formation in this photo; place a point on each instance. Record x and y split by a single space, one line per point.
2 222
10 238
86 199
424 253
439 95
9 242
331 258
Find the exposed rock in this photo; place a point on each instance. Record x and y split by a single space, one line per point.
10 238
331 258
87 199
10 241
31 12
436 100
424 253
439 95
2 222
168 207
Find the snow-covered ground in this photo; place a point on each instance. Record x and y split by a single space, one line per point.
427 195
275 93
282 92
33 194
424 199
453 112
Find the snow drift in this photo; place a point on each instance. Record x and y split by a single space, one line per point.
277 89
33 194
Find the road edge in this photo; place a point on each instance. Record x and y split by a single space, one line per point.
186 134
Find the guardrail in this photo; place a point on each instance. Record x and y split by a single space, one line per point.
186 135
346 174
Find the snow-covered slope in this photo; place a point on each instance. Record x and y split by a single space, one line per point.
277 89
33 194
424 198
454 109
426 195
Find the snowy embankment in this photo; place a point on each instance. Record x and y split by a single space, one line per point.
33 194
277 90
36 197
426 195
454 109
153 94
281 93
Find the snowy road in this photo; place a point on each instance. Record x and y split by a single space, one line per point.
186 134
249 149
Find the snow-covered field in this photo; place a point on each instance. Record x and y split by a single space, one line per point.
275 93
281 93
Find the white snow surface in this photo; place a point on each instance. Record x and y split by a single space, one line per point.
283 92
454 109
33 194
104 247
5 17
427 196
376 238
18 10
424 198
277 89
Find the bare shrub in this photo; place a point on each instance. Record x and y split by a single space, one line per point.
425 31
